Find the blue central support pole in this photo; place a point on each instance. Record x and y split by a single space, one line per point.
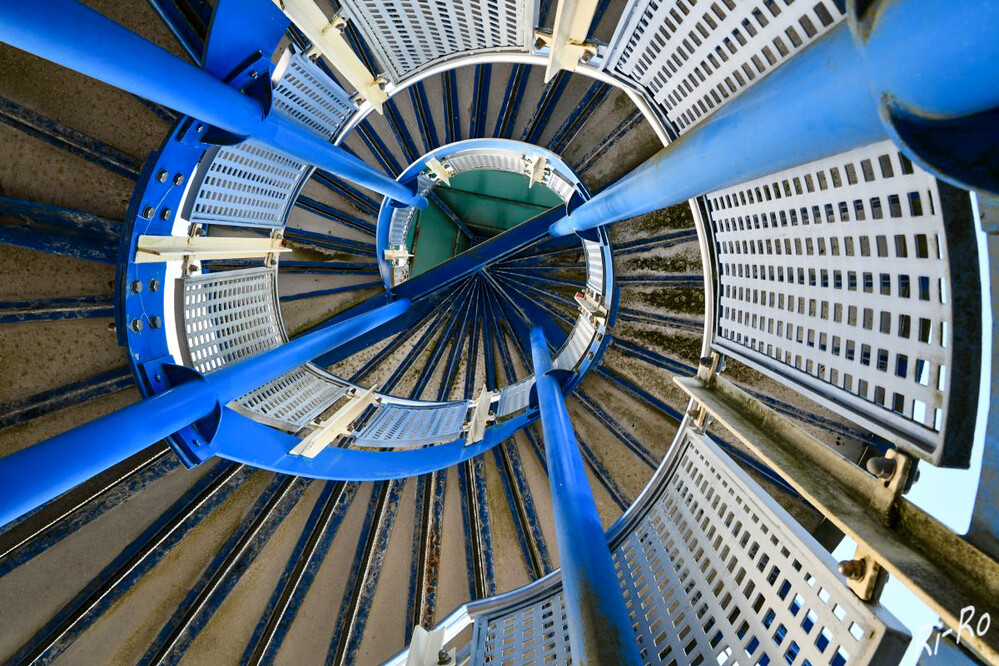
74 36
41 472
936 58
600 631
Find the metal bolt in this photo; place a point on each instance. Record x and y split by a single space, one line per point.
162 176
112 327
852 569
254 75
147 212
155 322
539 44
166 213
178 179
136 286
443 658
199 128
883 468
135 325
158 377
154 285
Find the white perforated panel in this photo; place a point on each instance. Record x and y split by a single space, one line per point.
407 425
834 278
576 346
293 399
229 316
515 397
693 57
409 36
495 160
305 94
244 185
715 573
594 266
537 634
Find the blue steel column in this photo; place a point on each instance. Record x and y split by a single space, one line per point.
600 631
939 58
74 36
41 472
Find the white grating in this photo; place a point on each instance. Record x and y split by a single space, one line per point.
594 265
247 184
399 225
307 95
293 399
515 397
560 186
537 634
408 425
834 279
229 316
576 346
409 36
693 57
492 159
719 572
715 572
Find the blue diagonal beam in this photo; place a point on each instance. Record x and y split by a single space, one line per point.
600 630
77 143
400 130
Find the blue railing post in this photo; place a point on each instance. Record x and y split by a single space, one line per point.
41 472
600 631
936 59
74 36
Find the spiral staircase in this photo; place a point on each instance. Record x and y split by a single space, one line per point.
760 349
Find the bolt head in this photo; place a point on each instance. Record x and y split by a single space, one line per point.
178 179
443 658
155 322
136 286
852 569
162 176
254 75
154 285
135 325
166 213
883 468
147 212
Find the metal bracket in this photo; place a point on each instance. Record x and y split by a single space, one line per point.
864 575
337 425
399 256
590 306
480 416
440 172
567 42
172 248
536 169
192 443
